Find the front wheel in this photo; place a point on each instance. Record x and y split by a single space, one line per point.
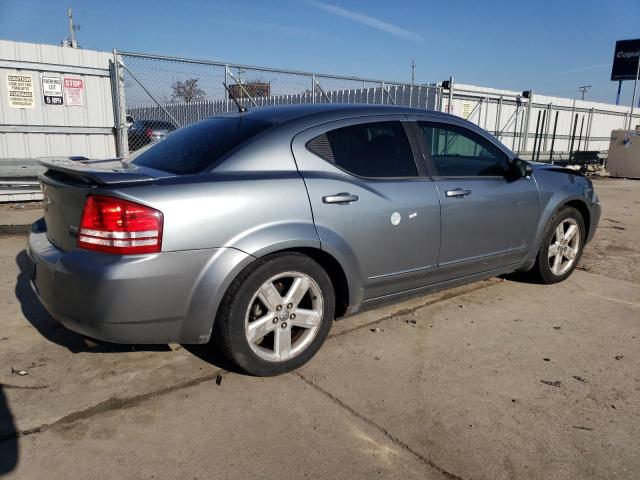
561 247
276 315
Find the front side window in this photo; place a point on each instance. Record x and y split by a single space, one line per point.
458 152
374 150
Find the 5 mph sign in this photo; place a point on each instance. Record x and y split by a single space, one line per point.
52 90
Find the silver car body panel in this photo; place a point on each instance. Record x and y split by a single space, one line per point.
367 227
162 297
267 196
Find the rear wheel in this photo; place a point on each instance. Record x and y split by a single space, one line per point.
276 315
561 247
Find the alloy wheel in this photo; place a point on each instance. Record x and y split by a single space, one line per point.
284 316
564 247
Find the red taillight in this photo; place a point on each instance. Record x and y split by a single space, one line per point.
148 132
114 225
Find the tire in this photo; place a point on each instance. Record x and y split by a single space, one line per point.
546 270
261 310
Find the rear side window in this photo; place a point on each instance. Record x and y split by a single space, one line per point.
195 147
374 150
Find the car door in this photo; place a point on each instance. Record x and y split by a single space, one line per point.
489 215
371 201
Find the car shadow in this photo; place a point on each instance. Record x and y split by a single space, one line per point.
211 354
9 449
53 331
521 277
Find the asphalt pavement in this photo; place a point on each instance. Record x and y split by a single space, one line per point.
499 379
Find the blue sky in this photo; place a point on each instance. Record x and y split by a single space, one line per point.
552 47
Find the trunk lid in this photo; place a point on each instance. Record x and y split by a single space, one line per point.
67 182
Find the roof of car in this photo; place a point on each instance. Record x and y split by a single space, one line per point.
285 113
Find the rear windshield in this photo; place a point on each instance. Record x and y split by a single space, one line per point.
193 148
158 125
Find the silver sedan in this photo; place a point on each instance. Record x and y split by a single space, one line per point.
258 229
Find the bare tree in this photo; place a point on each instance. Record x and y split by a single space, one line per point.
187 91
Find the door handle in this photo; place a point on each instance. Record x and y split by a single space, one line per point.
457 192
342 198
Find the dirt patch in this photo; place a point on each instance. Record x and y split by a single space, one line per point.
615 251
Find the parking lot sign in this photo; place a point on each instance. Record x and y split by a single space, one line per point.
52 90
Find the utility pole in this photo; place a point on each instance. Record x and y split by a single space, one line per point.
583 89
71 41
72 30
413 72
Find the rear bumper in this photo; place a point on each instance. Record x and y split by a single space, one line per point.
156 298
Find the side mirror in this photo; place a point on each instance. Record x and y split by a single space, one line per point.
521 168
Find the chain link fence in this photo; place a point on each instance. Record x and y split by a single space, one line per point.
158 94
152 95
161 94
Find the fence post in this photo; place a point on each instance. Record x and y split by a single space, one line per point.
525 124
113 78
226 93
486 112
587 140
546 130
573 110
498 117
515 129
544 121
120 108
580 135
573 135
535 138
450 107
382 93
553 137
633 98
313 89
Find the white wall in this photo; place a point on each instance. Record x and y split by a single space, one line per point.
56 130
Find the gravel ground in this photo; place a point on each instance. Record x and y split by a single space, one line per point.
496 380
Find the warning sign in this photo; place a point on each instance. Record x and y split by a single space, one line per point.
52 90
466 110
20 89
73 92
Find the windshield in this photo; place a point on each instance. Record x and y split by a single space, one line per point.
195 147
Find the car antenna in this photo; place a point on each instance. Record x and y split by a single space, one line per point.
241 109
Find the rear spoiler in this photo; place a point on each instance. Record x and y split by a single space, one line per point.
101 172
